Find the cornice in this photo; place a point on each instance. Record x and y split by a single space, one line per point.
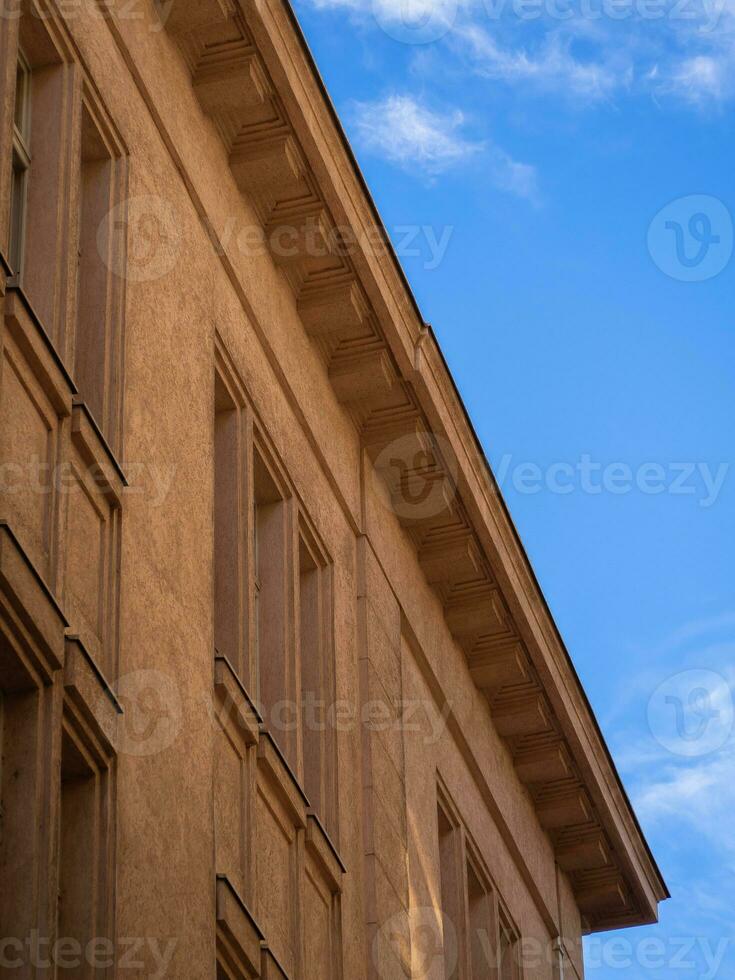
255 78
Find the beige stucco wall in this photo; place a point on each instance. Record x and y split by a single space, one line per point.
166 599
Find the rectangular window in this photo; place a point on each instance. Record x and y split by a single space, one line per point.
86 831
69 173
450 876
317 690
93 342
272 665
20 728
21 165
481 919
310 629
228 613
257 588
480 942
273 604
507 951
77 885
39 250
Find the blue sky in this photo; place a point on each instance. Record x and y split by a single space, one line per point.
521 154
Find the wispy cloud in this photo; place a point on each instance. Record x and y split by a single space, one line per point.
703 79
416 17
551 67
510 175
403 131
681 766
701 794
685 54
695 631
698 643
398 9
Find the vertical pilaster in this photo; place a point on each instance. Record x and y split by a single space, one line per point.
384 783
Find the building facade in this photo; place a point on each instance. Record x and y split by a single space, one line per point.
281 696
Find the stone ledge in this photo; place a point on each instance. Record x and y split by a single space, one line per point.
30 335
87 687
283 779
232 693
96 452
320 846
239 937
31 619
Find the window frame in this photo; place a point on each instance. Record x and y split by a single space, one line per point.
264 467
323 570
21 166
466 855
261 473
111 287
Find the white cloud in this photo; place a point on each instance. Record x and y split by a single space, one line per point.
401 130
687 55
412 19
701 793
702 78
721 623
394 9
510 175
552 67
698 790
